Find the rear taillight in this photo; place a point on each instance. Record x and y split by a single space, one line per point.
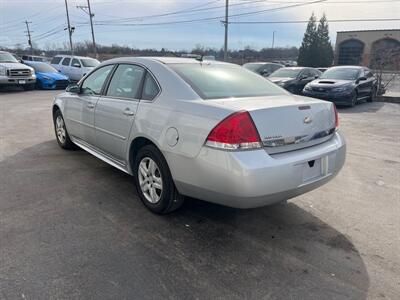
336 117
235 132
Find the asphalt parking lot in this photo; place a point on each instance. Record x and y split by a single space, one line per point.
72 227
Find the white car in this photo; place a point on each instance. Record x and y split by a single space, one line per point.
209 130
75 67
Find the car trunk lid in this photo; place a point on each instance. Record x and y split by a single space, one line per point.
288 123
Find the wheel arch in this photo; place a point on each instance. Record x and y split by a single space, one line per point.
55 108
134 147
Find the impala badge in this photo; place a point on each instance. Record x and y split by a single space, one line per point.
307 120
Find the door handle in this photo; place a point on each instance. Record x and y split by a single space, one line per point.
90 105
128 112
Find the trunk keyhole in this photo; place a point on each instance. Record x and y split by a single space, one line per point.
311 163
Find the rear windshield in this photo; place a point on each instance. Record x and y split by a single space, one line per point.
341 73
283 72
252 67
215 81
90 62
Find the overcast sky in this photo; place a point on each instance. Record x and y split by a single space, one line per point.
49 19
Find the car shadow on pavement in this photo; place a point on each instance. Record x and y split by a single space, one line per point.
361 108
73 227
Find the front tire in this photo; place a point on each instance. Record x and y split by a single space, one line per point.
154 182
353 100
61 132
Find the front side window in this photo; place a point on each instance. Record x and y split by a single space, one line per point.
126 82
66 61
95 81
75 63
213 81
150 88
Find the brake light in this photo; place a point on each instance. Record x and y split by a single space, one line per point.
235 132
336 116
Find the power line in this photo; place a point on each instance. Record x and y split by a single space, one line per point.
210 18
306 21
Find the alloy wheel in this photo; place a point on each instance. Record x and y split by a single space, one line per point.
60 129
150 180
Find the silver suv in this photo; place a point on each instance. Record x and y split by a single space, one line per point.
13 73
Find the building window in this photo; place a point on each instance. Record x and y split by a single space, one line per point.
350 52
385 54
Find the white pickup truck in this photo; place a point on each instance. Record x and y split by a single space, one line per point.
13 73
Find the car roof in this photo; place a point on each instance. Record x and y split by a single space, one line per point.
163 60
72 56
345 67
29 62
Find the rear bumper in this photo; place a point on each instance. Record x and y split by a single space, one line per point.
249 179
337 98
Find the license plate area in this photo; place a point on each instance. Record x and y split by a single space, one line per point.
314 169
21 81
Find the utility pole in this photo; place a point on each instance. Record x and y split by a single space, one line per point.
273 39
226 30
89 12
273 44
70 29
29 35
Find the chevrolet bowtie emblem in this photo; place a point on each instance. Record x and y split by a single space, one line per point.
307 120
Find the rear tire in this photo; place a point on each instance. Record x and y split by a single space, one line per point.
154 182
61 132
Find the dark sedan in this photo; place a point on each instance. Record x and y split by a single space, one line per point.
344 85
263 68
294 79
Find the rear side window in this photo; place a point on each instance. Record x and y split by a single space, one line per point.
125 82
56 60
66 61
150 88
214 81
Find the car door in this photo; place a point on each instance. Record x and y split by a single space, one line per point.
305 77
64 67
79 109
363 84
75 69
116 109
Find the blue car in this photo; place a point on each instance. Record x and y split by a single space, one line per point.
48 77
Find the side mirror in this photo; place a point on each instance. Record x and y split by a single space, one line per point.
265 73
73 88
316 76
362 78
76 65
303 77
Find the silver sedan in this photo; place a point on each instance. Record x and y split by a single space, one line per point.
205 129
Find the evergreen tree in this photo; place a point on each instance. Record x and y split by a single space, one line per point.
308 49
325 57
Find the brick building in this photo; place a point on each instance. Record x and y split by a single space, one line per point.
365 47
